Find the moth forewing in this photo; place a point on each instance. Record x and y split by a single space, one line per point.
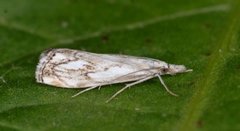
69 68
77 69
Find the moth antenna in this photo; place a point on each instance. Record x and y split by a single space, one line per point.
129 85
87 89
164 85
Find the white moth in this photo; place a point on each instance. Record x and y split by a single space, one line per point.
69 68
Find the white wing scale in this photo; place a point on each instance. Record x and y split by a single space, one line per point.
78 69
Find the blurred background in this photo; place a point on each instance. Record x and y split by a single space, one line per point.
201 34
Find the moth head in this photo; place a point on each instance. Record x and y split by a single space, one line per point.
172 69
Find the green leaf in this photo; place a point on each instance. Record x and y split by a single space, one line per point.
203 35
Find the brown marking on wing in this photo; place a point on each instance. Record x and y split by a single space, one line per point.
86 76
89 67
47 72
50 53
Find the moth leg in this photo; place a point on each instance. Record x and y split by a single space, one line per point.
87 89
162 82
99 87
129 85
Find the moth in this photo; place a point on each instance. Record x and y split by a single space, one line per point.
68 68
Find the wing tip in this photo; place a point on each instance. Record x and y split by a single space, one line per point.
44 56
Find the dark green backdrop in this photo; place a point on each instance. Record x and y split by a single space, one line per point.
201 34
